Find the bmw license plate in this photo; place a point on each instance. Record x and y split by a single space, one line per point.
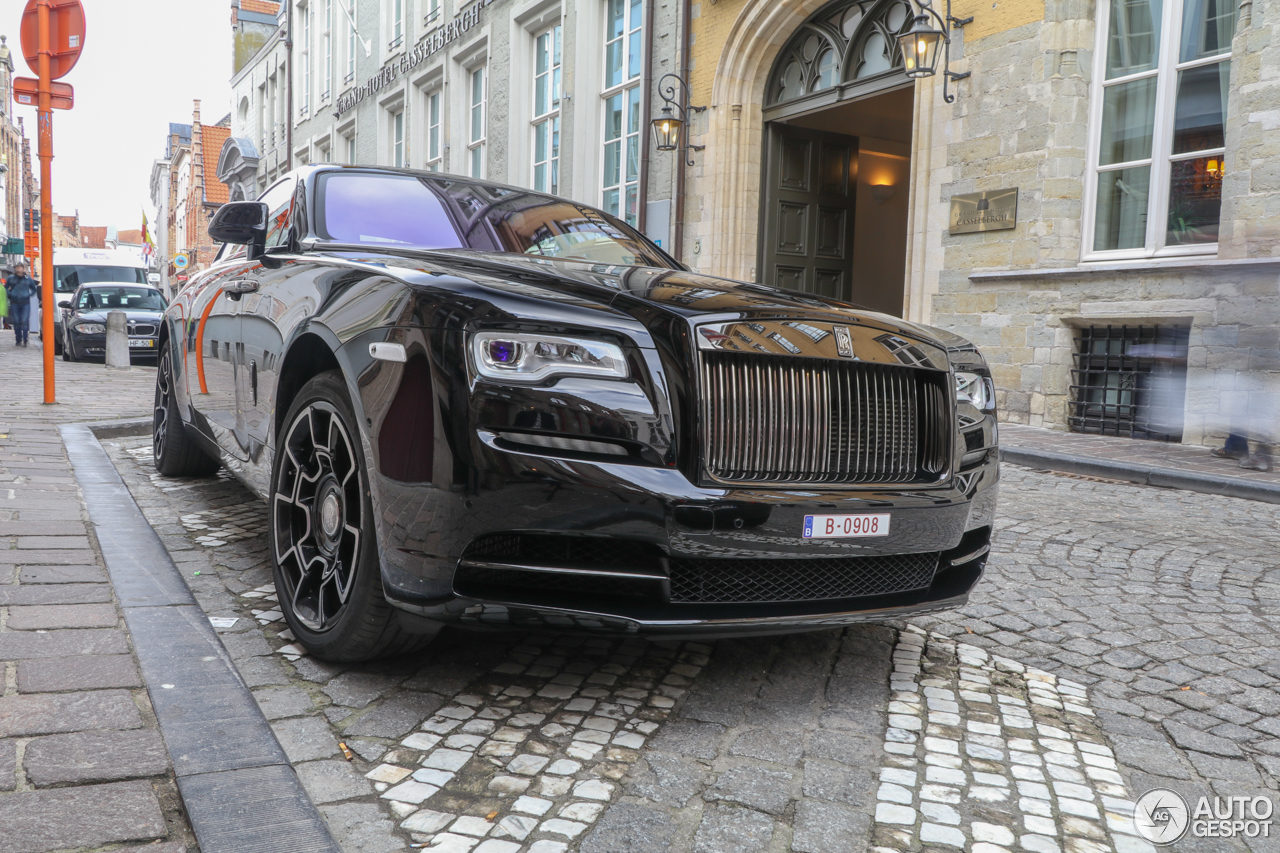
142 342
845 526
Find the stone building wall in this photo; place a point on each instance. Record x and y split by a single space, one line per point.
1023 295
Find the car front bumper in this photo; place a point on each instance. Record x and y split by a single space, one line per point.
430 570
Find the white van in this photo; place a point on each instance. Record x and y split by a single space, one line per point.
74 267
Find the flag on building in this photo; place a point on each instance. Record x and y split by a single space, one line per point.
148 244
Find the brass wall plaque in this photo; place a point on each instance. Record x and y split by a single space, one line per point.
995 210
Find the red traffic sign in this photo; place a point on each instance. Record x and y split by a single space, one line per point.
66 35
26 91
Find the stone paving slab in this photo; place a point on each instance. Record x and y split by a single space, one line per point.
82 757
82 762
79 817
87 672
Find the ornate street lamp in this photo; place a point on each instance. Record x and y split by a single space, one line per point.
669 126
920 45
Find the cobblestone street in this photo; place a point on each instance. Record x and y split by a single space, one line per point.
1121 641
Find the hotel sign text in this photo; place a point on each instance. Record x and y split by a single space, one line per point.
463 22
994 210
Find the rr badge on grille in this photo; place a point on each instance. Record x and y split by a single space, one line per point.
844 341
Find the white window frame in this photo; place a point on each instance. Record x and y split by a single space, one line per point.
477 153
433 16
304 88
349 147
353 40
433 114
397 137
628 82
395 25
1162 158
551 117
326 53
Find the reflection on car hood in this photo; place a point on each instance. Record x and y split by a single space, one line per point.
100 316
637 290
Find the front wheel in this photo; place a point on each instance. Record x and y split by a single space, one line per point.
323 550
172 450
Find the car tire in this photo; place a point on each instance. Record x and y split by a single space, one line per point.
324 553
69 351
57 344
174 452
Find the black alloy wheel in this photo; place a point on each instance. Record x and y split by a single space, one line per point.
324 556
174 453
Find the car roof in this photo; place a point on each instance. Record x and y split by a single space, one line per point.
116 285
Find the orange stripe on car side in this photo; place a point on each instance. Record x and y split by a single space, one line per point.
204 389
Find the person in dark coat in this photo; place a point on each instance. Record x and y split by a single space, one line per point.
22 289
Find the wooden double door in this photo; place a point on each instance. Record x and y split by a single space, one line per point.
810 185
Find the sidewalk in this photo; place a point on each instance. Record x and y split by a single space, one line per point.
82 761
1154 463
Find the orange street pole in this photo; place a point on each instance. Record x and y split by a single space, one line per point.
45 143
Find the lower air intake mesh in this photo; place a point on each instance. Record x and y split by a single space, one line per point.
742 581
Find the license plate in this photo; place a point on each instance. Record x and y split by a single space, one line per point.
845 526
142 343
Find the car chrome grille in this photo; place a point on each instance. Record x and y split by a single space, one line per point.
767 419
143 330
808 579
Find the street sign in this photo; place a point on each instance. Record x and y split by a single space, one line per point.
66 35
26 91
181 261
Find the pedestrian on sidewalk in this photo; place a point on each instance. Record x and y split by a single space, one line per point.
22 289
4 305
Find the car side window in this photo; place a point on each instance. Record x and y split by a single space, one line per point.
86 301
279 202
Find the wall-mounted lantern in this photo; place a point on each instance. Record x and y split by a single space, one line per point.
669 127
920 45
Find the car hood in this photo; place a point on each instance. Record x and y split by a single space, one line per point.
130 316
643 292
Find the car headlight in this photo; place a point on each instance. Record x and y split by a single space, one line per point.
91 328
531 357
975 389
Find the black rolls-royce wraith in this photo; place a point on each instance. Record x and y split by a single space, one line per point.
471 403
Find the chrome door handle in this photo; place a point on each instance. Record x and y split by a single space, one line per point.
244 285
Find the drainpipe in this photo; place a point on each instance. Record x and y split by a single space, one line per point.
288 74
677 241
645 109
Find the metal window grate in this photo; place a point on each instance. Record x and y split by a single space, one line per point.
1130 381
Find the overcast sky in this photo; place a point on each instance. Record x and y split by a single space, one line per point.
144 62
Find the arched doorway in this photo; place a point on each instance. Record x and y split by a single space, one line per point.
837 152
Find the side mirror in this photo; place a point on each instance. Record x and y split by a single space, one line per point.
65 304
241 222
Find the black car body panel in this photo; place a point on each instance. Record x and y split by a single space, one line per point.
593 502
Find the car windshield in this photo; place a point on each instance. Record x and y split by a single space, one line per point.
441 213
68 278
123 298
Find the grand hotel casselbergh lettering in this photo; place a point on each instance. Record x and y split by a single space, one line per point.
432 44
